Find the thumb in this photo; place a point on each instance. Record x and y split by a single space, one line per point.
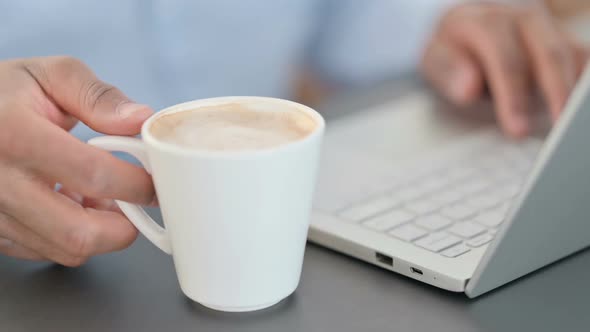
453 73
77 91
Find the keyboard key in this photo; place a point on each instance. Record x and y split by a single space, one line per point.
455 251
370 208
520 157
410 192
434 182
472 187
515 154
385 183
484 201
433 222
490 219
503 209
460 173
509 191
531 147
423 206
437 241
515 150
447 196
466 229
458 211
389 220
522 165
408 232
491 162
503 175
480 240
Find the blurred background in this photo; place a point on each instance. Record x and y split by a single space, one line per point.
575 15
165 52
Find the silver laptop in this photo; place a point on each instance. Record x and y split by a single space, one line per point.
451 203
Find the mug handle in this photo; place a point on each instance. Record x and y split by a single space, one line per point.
135 213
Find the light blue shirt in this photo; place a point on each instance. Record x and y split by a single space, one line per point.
162 52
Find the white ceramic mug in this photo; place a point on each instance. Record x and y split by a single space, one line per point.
235 222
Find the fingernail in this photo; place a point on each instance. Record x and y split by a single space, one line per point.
129 109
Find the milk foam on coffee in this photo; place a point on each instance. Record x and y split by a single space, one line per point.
233 127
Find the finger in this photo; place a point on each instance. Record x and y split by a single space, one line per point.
502 57
453 72
73 195
88 202
51 111
28 95
10 248
73 229
553 60
103 204
27 241
75 88
48 109
56 155
68 122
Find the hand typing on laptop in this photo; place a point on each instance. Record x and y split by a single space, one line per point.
508 49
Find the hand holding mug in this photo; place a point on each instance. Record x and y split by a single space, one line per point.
40 100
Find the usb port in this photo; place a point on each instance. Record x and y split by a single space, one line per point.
384 259
417 271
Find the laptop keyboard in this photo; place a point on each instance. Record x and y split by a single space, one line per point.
453 207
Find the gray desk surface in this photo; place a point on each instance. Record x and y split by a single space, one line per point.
136 290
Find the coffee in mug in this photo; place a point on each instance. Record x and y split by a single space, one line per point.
232 127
